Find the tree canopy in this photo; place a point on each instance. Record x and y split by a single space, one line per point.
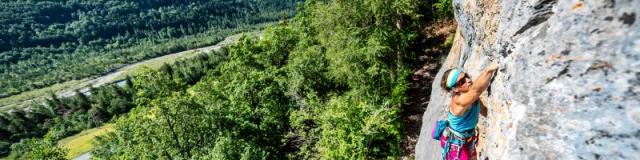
325 84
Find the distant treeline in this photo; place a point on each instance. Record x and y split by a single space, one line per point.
47 42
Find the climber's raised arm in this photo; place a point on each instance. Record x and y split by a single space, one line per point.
478 86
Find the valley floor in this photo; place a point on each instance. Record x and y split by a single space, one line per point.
68 88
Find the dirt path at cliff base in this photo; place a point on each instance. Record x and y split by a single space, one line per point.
431 52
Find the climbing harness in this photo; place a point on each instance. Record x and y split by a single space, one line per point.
459 140
451 127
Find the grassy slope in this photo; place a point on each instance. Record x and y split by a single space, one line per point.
25 98
82 142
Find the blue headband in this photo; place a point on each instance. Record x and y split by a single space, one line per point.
453 76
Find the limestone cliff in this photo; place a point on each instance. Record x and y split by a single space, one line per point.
568 86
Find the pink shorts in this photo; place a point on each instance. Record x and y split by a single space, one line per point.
465 153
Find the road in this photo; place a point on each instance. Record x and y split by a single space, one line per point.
111 77
84 156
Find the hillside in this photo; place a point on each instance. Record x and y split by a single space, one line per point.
48 42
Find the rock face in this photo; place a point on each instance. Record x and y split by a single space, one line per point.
568 86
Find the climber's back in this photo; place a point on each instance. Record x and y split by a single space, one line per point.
467 121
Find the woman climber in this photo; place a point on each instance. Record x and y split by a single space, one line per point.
458 134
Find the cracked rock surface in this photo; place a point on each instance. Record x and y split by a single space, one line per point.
568 86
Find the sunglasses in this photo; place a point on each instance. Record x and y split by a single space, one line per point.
462 81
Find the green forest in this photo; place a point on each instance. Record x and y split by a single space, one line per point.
329 82
48 42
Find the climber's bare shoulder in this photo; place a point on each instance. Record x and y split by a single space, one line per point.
460 104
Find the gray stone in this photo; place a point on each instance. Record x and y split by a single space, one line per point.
568 83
